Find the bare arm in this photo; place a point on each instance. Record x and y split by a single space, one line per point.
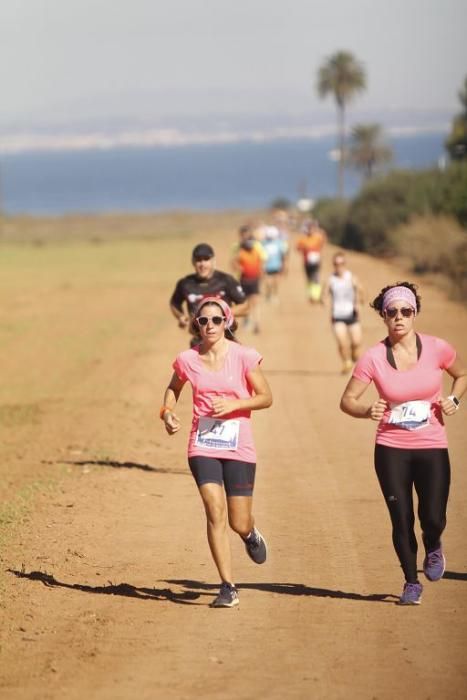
182 318
262 397
359 293
352 405
325 293
171 420
458 372
240 310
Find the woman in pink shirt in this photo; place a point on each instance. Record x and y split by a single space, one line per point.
227 385
411 444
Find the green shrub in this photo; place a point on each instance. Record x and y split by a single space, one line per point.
387 202
332 216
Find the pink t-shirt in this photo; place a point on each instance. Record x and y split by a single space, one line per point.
230 382
421 384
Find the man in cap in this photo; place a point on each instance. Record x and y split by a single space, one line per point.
205 281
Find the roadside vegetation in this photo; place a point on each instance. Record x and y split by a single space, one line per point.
418 215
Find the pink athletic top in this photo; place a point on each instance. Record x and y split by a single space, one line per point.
230 382
407 426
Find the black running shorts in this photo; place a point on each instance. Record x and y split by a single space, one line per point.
238 478
250 285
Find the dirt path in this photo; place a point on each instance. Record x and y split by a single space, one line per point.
106 576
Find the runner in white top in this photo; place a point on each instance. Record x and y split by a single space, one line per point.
346 295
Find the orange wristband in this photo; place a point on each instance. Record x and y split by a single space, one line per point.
163 410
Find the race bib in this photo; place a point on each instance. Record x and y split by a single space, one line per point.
217 434
410 415
313 257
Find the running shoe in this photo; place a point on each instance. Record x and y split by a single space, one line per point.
227 597
412 594
434 565
347 366
255 546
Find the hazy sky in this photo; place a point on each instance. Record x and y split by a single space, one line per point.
77 60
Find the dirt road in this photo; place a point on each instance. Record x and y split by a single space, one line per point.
106 576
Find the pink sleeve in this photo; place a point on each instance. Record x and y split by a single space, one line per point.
251 359
364 369
179 367
446 353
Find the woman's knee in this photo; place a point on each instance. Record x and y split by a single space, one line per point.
241 523
403 519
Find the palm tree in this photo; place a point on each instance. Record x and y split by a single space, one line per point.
456 142
342 76
367 148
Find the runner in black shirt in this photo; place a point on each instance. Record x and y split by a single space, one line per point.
206 281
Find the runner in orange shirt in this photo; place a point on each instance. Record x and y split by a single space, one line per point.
310 245
248 261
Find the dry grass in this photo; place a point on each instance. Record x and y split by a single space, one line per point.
103 227
435 245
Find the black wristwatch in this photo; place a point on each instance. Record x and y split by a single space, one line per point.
454 400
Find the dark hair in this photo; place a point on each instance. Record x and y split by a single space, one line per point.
228 333
377 303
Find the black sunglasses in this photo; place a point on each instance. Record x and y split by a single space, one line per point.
392 313
204 320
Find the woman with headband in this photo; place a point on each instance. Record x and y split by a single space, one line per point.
227 385
411 445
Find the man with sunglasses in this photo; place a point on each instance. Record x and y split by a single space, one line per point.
411 444
205 281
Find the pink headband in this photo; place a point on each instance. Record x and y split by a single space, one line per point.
227 311
402 294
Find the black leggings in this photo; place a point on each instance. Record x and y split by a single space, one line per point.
398 470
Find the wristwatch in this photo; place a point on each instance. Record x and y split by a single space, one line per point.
454 400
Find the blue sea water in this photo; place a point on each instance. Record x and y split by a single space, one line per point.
227 176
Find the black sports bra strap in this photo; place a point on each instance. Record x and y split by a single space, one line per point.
390 354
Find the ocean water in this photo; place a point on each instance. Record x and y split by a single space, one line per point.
221 176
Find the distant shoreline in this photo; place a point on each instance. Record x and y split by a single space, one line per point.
35 142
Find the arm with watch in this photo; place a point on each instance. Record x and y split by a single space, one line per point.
450 404
167 411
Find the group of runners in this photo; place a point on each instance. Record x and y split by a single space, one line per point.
227 383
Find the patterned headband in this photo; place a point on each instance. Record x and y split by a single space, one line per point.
227 311
402 294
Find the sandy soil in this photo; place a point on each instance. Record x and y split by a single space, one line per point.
106 577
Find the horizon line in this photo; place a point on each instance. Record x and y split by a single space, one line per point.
33 142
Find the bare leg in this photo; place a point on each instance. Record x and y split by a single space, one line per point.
355 334
343 344
240 514
254 311
218 537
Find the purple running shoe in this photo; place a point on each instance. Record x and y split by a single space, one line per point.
412 594
434 564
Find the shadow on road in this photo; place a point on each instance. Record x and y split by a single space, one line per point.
455 575
120 589
118 465
292 589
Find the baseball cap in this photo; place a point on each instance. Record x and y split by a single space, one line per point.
202 250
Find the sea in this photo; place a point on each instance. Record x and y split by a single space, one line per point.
245 175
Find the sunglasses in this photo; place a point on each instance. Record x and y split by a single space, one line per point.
204 320
392 313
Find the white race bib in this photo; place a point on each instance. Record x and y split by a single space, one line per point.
313 257
410 415
217 434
